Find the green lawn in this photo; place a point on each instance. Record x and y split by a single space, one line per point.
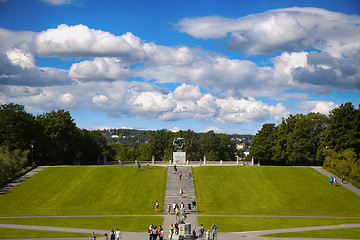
129 224
292 191
343 233
87 190
24 233
243 224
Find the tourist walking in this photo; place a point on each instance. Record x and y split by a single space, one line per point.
214 231
180 174
93 236
331 180
168 208
194 205
106 236
154 233
171 230
149 230
161 233
112 234
342 180
181 192
335 180
189 176
174 207
157 206
118 234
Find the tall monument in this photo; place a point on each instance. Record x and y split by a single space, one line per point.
179 157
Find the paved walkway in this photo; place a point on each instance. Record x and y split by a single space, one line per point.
20 179
172 195
346 184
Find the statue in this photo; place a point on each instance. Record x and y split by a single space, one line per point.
181 217
179 143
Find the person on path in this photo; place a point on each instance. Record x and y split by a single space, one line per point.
147 165
180 174
149 230
138 167
189 207
214 231
189 176
175 169
157 206
93 236
200 232
174 207
208 235
155 233
181 192
161 233
106 236
182 206
335 180
118 234
342 180
194 205
168 208
112 234
331 180
171 230
176 227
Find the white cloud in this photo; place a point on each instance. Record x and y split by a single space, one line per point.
100 69
213 128
57 2
21 58
289 29
323 107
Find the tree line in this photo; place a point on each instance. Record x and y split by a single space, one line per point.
313 139
53 138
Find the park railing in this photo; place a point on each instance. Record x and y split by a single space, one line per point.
191 163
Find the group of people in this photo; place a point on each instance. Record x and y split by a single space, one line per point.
114 235
155 231
200 233
179 208
196 233
333 180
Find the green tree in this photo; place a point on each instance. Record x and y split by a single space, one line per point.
159 141
11 161
227 148
209 146
262 148
144 152
18 129
62 137
343 130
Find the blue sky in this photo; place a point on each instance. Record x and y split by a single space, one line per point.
227 66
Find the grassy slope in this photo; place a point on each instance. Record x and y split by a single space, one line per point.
243 224
345 233
86 190
25 233
271 191
130 224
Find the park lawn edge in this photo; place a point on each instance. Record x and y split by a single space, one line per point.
128 223
13 233
244 224
343 233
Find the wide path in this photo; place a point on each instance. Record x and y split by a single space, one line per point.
346 184
172 194
15 182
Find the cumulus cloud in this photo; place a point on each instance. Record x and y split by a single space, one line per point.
323 107
100 69
57 2
289 29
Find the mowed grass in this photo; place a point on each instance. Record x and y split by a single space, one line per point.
243 224
87 190
25 233
290 191
128 223
340 233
